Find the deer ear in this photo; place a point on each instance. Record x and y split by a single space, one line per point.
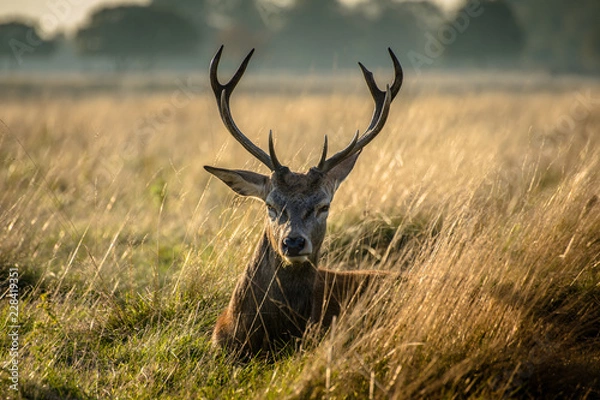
245 183
338 173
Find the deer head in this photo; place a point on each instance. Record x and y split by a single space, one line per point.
297 204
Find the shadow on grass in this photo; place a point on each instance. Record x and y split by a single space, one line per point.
561 342
30 390
29 279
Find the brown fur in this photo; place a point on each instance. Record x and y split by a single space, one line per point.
274 300
273 303
282 290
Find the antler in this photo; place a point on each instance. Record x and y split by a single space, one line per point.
222 94
382 101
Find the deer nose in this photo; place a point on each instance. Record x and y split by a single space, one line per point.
293 246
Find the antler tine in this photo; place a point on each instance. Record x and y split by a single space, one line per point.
326 165
323 155
239 136
374 130
357 144
218 87
382 100
276 164
214 80
223 93
398 74
378 94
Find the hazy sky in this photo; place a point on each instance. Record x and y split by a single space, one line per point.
56 15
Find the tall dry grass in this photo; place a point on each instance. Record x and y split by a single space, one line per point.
485 201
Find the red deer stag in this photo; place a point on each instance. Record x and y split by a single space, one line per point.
282 290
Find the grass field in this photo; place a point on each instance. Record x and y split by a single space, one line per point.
485 199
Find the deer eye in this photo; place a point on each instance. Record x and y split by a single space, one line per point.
324 209
272 211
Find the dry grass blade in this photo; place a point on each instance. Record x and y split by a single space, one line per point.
483 202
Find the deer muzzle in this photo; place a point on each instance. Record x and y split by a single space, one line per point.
296 249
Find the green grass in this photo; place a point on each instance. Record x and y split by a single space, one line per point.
127 250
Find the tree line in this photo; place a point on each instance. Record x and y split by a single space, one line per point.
327 34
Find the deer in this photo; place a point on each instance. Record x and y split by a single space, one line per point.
282 290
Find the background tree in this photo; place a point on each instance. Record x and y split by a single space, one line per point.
194 10
400 25
317 34
331 34
238 24
20 40
494 38
137 33
562 36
